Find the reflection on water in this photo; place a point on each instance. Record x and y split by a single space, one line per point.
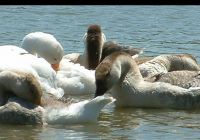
117 123
161 29
20 132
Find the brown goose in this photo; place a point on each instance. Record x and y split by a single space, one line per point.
93 40
119 74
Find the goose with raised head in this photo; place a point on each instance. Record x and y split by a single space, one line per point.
168 62
93 40
119 74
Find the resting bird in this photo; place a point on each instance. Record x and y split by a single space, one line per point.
22 102
44 45
184 78
20 98
111 46
66 77
168 62
16 58
20 84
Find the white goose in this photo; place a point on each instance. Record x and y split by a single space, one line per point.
19 111
120 74
23 110
15 58
72 78
12 50
44 45
77 112
93 41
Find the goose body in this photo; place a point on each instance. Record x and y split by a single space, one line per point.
139 60
79 112
168 62
120 75
21 112
12 50
184 78
75 79
23 102
20 84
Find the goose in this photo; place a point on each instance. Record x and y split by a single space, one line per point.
12 50
21 84
93 41
44 45
96 48
53 111
168 62
76 112
183 78
71 78
141 59
23 102
119 74
18 111
111 46
21 60
75 79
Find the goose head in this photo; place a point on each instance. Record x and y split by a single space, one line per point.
45 45
21 84
112 69
93 41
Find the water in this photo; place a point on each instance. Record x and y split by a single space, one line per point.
160 29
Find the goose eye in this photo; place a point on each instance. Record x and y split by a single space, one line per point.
55 59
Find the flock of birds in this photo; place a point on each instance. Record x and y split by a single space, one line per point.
36 79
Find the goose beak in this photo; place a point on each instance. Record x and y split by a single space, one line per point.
55 66
100 88
100 91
